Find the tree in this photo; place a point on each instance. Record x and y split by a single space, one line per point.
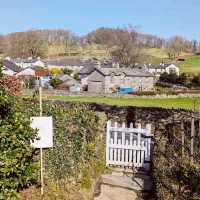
127 50
26 44
169 78
2 44
1 68
176 45
122 43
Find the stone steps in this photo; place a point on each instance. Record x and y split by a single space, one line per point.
123 184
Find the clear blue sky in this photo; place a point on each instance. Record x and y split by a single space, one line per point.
160 17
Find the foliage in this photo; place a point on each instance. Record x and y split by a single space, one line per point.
175 177
26 44
55 71
188 175
17 168
196 80
76 77
55 82
11 84
1 68
75 130
78 153
173 78
67 71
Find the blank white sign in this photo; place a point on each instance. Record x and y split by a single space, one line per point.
44 125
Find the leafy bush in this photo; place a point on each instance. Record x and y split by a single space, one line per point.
188 176
77 77
67 71
11 84
173 78
175 177
55 71
196 80
17 168
55 82
78 153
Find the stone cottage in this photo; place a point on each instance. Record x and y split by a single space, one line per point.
109 80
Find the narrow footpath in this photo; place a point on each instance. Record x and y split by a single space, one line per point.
120 185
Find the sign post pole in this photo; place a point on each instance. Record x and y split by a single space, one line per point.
41 152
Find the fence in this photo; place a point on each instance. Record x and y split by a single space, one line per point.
128 146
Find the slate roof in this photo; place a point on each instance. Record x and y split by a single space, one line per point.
127 71
87 69
66 62
67 80
161 66
12 66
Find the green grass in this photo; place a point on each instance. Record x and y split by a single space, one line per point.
185 103
191 65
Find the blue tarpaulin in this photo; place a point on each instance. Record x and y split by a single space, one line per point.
126 90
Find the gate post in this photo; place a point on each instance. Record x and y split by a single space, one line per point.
108 141
148 147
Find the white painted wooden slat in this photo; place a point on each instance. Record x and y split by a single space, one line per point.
134 151
123 142
108 142
148 152
130 156
126 153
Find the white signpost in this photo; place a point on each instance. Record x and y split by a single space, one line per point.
44 125
44 139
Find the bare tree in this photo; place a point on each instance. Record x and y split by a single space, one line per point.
176 45
126 49
2 44
26 44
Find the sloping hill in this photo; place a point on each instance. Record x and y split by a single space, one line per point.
191 65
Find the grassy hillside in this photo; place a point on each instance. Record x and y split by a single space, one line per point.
155 52
98 51
191 65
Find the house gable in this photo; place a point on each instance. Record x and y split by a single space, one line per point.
96 76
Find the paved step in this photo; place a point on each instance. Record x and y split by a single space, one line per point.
116 193
137 183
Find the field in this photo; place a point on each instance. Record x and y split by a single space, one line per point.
185 103
191 65
98 51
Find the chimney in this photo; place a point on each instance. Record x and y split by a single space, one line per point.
98 64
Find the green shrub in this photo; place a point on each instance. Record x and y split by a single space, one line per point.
173 78
17 167
76 143
86 181
55 82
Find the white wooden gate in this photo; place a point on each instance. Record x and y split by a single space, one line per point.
128 146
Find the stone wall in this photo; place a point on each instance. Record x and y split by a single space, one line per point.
144 115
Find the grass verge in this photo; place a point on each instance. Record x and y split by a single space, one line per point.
185 103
